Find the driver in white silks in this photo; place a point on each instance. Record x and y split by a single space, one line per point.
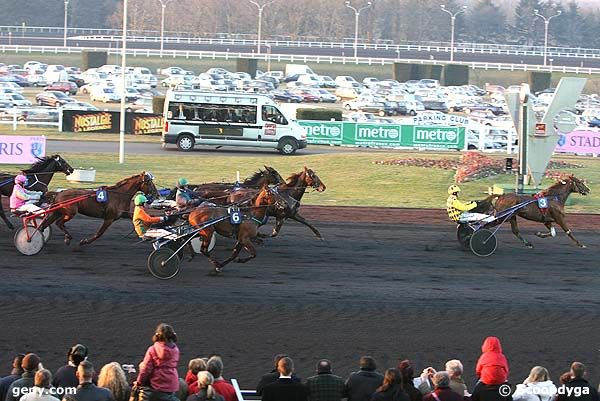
460 212
142 221
22 199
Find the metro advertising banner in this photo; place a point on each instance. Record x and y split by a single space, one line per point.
108 122
21 149
384 135
579 142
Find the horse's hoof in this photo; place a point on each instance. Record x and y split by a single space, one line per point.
540 234
530 246
582 246
321 238
67 241
83 242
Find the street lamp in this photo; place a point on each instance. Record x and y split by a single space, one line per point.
260 11
123 91
546 23
163 4
452 23
65 28
268 57
356 15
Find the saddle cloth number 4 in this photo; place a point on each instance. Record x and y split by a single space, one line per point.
101 196
543 203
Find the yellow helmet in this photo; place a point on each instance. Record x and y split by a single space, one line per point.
453 189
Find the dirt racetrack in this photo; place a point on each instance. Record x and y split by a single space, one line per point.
387 282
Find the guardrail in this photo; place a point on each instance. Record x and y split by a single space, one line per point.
243 395
293 58
27 116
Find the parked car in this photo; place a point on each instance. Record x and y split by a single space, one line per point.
140 104
307 95
52 98
327 82
325 96
170 71
347 93
497 110
15 99
64 86
286 96
104 94
84 106
594 122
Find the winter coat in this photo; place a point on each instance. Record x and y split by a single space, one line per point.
159 367
394 393
443 394
492 366
192 382
361 385
536 391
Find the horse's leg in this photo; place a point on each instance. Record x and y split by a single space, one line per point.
301 219
248 247
560 220
515 230
60 220
6 220
98 234
277 228
551 231
236 251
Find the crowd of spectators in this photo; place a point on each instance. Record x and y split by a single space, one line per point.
158 380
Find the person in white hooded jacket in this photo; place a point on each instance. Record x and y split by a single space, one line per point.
537 387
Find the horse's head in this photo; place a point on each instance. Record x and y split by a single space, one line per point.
50 164
61 164
268 196
312 180
147 184
272 176
574 184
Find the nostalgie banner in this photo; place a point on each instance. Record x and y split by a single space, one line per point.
108 122
384 135
21 149
584 142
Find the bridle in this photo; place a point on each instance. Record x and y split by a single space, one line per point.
61 168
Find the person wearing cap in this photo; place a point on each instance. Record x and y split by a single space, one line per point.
185 197
15 374
66 375
459 211
41 390
325 386
22 199
142 220
30 365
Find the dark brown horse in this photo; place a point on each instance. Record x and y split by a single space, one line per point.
556 195
117 204
244 232
292 192
39 176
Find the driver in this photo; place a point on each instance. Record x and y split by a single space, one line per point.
185 197
459 211
142 220
22 199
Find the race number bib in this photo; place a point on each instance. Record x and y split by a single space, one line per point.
101 196
543 203
235 216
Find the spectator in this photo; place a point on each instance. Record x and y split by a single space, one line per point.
577 388
30 365
158 370
391 389
112 377
65 375
15 374
492 366
183 392
272 376
407 372
536 387
442 390
362 384
325 386
491 392
42 383
195 366
205 389
215 367
454 368
565 377
87 390
285 388
425 383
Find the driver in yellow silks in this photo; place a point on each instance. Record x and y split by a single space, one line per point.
459 211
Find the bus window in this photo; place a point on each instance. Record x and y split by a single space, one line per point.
271 114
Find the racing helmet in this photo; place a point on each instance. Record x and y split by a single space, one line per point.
182 182
77 353
453 189
140 199
21 179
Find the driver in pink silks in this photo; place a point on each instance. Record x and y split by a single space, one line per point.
22 199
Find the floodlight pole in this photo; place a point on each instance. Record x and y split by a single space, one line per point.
546 24
452 24
356 15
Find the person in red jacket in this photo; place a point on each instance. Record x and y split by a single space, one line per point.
195 366
158 370
492 366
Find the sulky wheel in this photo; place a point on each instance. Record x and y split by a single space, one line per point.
47 231
29 246
197 243
463 234
163 263
483 242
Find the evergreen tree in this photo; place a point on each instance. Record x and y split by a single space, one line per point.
486 23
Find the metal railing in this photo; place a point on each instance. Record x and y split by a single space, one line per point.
293 58
27 116
243 395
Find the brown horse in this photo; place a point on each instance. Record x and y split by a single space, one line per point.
244 232
292 192
556 194
117 204
39 175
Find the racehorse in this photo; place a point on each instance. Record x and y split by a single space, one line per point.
244 232
556 195
292 192
116 205
39 176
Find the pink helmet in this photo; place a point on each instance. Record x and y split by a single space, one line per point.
20 179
